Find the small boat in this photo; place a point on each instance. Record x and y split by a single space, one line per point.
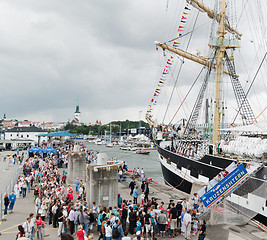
142 151
110 145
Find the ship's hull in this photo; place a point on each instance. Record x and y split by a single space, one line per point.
182 173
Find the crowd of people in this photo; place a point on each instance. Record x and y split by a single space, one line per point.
64 207
151 219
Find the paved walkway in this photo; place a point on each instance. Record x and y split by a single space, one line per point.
23 207
7 170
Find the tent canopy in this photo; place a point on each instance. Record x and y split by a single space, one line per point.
35 150
39 150
57 134
140 137
255 127
51 150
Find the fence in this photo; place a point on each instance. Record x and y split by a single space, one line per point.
9 189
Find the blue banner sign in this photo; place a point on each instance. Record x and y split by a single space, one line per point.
224 186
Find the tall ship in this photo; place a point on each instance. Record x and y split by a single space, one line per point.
193 154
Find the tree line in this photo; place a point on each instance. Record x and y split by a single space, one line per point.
116 127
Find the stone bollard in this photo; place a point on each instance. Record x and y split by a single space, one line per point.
76 167
102 185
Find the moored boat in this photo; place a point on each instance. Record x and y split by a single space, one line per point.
142 151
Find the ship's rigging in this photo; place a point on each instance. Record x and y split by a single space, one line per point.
191 152
220 59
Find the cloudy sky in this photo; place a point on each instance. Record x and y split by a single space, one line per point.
99 51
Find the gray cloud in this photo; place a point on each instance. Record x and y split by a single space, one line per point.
52 52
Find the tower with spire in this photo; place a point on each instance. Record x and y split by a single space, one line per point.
77 113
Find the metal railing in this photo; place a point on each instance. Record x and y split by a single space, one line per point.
9 189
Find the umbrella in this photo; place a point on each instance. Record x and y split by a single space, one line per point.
35 149
51 150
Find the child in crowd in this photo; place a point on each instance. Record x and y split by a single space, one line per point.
169 228
195 226
142 196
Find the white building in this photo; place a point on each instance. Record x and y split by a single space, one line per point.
29 133
77 115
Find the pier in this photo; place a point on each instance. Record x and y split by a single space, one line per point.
159 191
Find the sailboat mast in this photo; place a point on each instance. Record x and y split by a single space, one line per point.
219 64
110 132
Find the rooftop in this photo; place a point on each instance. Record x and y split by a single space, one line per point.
25 129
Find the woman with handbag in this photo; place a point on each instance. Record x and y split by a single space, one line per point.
80 234
39 225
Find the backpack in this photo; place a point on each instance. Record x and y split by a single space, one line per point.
92 218
115 232
35 192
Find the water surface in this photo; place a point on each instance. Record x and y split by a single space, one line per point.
150 162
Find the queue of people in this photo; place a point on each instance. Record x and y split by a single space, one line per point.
65 208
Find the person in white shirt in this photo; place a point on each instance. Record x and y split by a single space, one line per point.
38 203
142 172
108 231
27 227
185 204
195 198
187 223
28 179
17 189
71 218
120 175
32 224
113 219
126 237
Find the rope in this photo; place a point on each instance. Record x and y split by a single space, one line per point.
259 115
253 221
186 95
180 68
250 86
186 33
165 189
241 13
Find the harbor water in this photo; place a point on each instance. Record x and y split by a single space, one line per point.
149 163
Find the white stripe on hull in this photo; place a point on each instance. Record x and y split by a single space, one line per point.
252 202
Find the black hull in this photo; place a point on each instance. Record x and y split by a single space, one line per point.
205 168
175 180
209 166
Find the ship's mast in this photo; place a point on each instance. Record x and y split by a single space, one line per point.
219 63
216 61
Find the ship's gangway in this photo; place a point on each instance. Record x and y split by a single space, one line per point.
227 184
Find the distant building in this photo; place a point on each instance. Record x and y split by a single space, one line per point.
8 123
53 126
77 115
24 123
28 133
98 123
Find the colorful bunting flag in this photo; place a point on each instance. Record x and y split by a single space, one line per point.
170 60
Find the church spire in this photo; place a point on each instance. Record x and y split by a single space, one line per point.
77 114
77 107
